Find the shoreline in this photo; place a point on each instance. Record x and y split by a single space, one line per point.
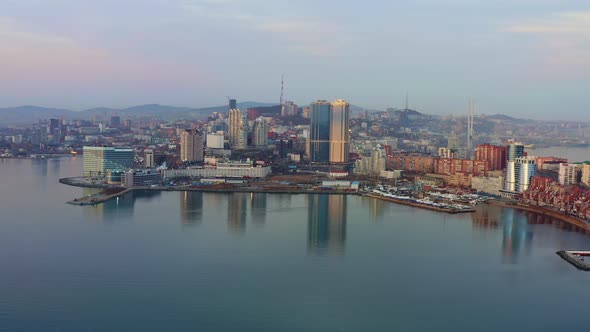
418 205
101 198
545 212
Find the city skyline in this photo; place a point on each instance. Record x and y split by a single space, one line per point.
528 61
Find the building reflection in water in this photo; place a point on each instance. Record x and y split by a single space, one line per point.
236 212
258 208
118 208
374 206
516 233
191 208
40 168
326 230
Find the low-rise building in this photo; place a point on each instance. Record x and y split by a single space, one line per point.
141 178
491 184
226 169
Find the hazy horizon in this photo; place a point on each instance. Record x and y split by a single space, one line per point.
523 58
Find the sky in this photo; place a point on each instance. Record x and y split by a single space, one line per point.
526 58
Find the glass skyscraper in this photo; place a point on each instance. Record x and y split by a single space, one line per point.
319 135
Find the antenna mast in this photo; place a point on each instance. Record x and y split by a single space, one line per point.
407 103
282 89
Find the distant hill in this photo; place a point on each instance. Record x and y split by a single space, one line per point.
28 113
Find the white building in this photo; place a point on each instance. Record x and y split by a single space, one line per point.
374 164
260 130
226 169
568 174
519 173
215 140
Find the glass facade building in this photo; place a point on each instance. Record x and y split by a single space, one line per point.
99 160
319 135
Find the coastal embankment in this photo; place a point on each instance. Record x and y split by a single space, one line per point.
572 220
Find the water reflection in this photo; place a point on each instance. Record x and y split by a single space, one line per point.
39 167
517 236
258 208
236 212
326 230
191 207
375 206
119 208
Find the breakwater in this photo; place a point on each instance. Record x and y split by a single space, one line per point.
101 197
575 259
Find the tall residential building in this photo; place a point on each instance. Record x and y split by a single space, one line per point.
238 129
512 178
191 146
525 170
148 158
496 155
568 174
339 135
586 174
99 160
519 173
374 164
260 130
289 108
319 135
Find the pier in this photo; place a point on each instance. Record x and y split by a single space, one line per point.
576 258
100 197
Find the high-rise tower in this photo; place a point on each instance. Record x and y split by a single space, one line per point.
260 132
339 135
319 135
238 129
191 146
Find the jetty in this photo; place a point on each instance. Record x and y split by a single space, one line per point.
100 197
576 258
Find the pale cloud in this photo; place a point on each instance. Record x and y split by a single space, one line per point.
308 36
563 41
31 59
14 36
567 22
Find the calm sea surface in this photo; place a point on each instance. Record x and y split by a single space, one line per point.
176 261
571 154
